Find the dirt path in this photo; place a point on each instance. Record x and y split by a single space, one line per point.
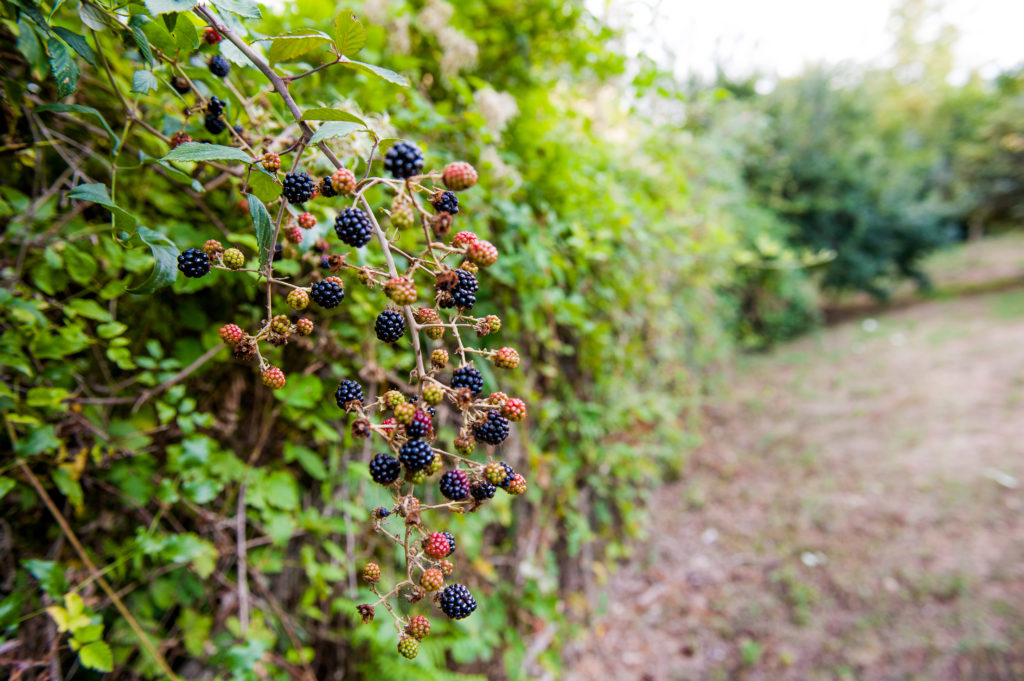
858 513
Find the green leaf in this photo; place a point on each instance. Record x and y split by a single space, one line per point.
6 485
97 193
243 8
69 487
141 41
335 129
291 45
234 55
87 308
62 64
165 261
280 490
349 34
46 397
49 574
379 71
92 17
165 6
96 655
324 113
78 43
80 265
196 151
78 108
157 34
42 439
264 228
307 458
88 633
111 330
263 185
185 33
143 81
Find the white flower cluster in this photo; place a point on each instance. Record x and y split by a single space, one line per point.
497 108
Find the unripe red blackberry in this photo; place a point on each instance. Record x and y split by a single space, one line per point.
454 485
459 175
420 425
307 221
401 290
231 334
409 647
335 280
271 162
304 327
233 258
179 138
298 299
464 445
293 233
432 579
482 253
211 36
403 215
371 573
343 181
212 248
514 409
426 315
433 394
447 568
280 324
404 412
273 378
506 358
517 485
498 399
436 545
439 358
463 239
418 627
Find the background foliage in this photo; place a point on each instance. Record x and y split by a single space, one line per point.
643 224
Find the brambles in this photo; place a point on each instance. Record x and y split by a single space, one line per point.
415 455
343 181
482 253
231 334
506 358
418 627
271 162
408 647
454 485
233 258
445 202
347 393
298 299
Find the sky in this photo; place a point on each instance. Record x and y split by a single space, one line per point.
778 37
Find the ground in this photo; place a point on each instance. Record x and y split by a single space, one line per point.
856 513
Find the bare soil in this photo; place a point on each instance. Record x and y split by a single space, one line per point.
857 512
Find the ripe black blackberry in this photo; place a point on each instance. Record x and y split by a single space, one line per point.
214 124
415 455
464 300
468 377
278 251
454 485
420 424
457 602
484 490
390 326
216 106
348 391
219 66
298 187
353 227
326 188
451 542
326 294
193 263
463 294
385 469
494 430
446 202
403 160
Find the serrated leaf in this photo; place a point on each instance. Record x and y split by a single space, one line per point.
165 261
143 81
291 45
88 633
78 43
92 17
78 108
185 33
328 114
141 41
349 34
62 64
263 185
243 8
263 227
335 129
196 151
157 34
165 6
59 616
96 655
379 71
97 193
234 55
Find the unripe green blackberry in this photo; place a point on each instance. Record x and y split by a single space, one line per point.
371 573
514 409
393 398
439 358
482 253
304 327
343 181
280 324
233 258
271 162
464 445
403 215
506 358
298 299
493 323
498 473
435 464
459 175
401 290
432 579
433 394
231 334
517 485
404 412
418 627
409 647
273 378
417 478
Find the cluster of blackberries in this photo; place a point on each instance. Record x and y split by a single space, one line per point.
326 294
454 485
194 263
348 391
468 377
494 430
214 121
463 294
457 602
403 160
390 326
385 469
415 455
446 202
298 187
353 227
